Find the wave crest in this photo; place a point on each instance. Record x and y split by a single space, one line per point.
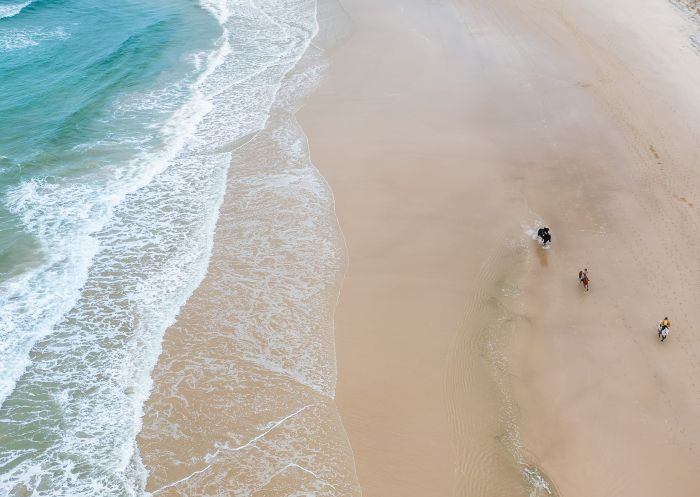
12 9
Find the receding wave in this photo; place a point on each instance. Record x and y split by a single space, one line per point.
123 245
247 374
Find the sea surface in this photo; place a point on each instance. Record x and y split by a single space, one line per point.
117 125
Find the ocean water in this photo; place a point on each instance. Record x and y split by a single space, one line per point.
117 123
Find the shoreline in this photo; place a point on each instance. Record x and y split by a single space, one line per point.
247 373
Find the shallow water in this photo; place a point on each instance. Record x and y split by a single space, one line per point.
247 374
117 120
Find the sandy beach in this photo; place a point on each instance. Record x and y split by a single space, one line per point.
469 360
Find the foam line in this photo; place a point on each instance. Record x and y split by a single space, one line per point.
294 465
305 470
278 423
248 444
169 485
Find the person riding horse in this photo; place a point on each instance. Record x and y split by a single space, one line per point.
583 278
543 233
664 327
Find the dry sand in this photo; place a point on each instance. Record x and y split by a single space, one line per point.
467 359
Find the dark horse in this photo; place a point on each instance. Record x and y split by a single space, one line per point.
583 278
543 233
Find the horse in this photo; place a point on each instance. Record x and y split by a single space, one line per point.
663 332
543 233
583 278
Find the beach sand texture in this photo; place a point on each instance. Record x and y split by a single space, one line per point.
469 360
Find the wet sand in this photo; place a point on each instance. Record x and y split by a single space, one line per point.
469 357
399 131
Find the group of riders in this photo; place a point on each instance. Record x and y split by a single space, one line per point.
544 235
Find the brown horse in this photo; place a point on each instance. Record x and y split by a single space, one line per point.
583 278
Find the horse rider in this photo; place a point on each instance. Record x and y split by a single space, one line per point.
664 327
583 278
543 233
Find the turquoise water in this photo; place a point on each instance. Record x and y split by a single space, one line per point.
67 72
116 123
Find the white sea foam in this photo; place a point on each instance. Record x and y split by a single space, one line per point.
219 8
277 261
15 39
123 251
11 10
